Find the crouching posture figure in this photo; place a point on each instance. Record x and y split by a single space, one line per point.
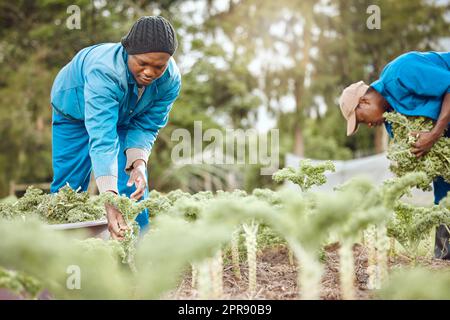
109 103
414 84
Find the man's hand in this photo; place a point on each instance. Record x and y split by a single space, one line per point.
138 178
116 223
425 140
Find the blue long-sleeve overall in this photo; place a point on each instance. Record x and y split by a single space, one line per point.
100 123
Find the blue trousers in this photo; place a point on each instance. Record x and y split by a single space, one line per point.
440 189
442 239
72 163
439 185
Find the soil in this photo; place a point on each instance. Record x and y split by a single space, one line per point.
277 278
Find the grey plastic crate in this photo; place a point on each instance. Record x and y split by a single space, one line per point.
93 229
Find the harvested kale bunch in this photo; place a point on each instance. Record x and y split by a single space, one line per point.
435 163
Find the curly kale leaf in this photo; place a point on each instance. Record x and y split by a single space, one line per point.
435 163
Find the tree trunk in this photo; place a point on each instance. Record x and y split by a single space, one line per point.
299 146
300 86
381 140
40 125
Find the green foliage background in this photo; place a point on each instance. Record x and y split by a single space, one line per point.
219 87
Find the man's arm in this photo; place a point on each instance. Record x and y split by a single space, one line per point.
444 117
143 131
426 140
101 116
102 95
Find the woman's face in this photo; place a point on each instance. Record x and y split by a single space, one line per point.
147 67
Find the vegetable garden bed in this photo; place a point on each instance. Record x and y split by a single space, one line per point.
265 245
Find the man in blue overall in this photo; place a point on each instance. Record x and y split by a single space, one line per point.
414 84
109 103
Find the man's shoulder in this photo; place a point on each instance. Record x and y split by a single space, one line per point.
97 52
105 54
419 59
174 71
107 58
408 63
404 59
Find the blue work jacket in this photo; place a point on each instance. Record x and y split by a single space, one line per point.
96 87
415 83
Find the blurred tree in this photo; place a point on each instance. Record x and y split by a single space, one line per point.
310 50
218 90
294 57
35 43
281 35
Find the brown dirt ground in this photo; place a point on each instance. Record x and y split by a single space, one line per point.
277 278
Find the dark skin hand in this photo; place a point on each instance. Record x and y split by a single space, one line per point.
116 223
138 178
147 67
372 106
426 140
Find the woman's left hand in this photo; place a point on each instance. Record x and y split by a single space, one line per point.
138 178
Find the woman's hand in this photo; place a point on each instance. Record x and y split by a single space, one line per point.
138 178
425 141
116 224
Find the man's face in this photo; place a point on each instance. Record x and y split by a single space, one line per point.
370 110
147 67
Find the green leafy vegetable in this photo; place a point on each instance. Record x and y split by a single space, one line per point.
435 163
307 175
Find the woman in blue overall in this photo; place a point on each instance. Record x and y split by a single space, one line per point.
414 84
109 103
